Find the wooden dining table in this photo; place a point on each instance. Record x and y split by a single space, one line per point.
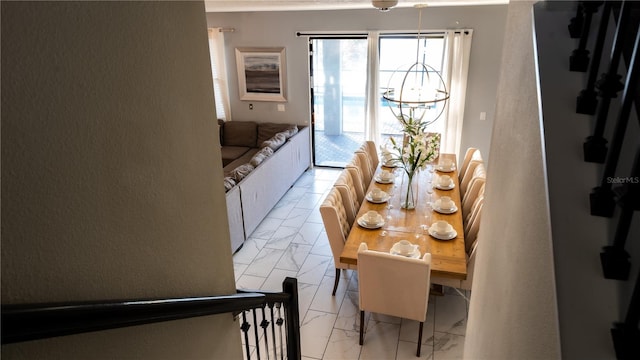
448 257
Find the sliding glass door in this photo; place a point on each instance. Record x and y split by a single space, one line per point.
339 71
339 80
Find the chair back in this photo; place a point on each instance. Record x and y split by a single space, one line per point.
334 218
367 170
392 284
357 182
373 153
468 175
475 189
473 225
470 154
347 190
356 164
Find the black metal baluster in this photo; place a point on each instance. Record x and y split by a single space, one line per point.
279 322
587 101
575 25
579 59
626 335
255 333
595 147
245 329
264 324
290 286
273 333
602 197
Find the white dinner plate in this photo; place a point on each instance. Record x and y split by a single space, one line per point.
381 181
449 187
384 199
441 169
448 236
436 206
362 222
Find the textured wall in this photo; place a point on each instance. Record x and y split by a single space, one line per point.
111 173
512 312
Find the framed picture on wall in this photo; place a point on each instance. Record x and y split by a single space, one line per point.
262 74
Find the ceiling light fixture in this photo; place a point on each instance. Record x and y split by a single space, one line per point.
384 5
421 89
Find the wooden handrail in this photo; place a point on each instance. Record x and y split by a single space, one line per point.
24 322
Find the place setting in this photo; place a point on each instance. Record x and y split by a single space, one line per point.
405 248
446 166
442 230
377 196
384 177
444 182
371 220
445 205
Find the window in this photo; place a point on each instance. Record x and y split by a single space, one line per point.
219 73
343 76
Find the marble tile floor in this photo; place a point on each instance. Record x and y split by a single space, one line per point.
291 241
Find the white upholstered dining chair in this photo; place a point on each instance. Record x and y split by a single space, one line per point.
475 189
367 169
471 241
358 184
335 222
472 225
373 153
470 154
460 284
393 285
347 190
356 164
474 170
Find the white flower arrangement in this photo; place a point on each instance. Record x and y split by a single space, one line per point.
418 150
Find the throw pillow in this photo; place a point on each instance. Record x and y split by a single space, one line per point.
257 159
241 171
266 151
275 142
292 130
229 183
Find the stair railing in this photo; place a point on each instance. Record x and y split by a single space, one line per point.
26 322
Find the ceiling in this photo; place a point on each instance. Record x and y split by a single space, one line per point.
289 5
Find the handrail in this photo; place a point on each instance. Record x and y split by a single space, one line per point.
24 322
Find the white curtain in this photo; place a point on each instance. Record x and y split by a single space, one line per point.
219 72
456 68
373 89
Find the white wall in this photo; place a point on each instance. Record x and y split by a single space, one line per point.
275 29
111 172
513 312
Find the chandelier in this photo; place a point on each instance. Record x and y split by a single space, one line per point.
414 91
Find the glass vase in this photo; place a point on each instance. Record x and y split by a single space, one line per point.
408 200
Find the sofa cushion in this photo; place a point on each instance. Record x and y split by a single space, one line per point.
257 159
240 133
267 130
241 171
291 130
275 142
229 183
230 153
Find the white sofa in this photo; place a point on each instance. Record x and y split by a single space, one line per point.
251 199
